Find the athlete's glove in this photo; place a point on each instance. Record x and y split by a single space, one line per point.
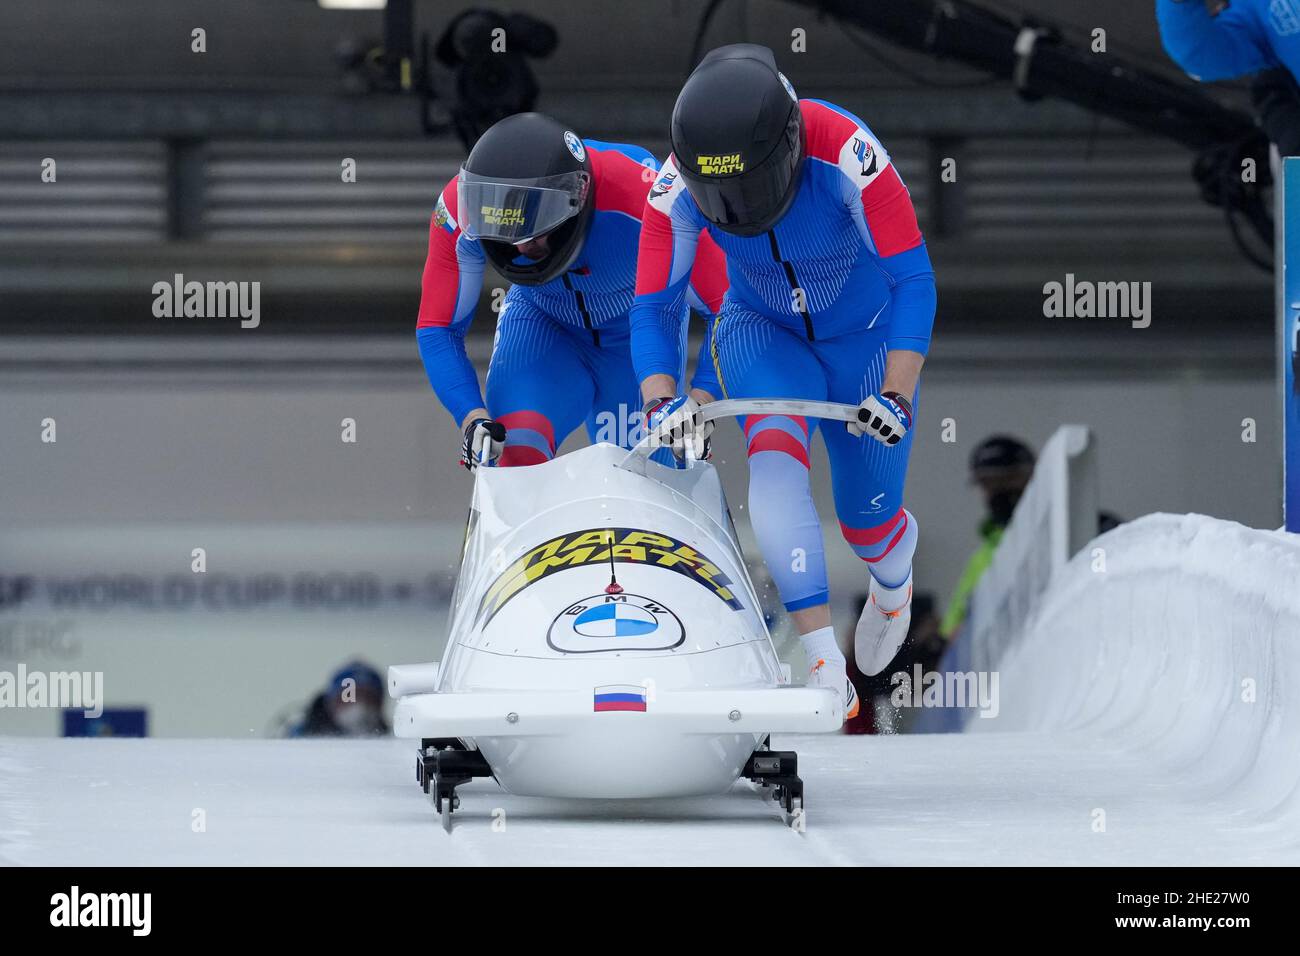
886 417
484 439
684 429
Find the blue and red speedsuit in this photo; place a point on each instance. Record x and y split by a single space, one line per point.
562 351
814 307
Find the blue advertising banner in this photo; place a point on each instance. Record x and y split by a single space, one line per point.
118 722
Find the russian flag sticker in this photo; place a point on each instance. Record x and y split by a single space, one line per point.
619 697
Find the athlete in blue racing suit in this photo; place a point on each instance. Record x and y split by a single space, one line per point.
561 356
832 297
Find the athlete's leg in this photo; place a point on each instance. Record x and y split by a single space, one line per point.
867 478
759 359
615 413
537 384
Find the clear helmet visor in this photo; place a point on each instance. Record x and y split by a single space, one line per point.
517 210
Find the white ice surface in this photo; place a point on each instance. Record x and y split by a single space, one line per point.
1162 691
973 799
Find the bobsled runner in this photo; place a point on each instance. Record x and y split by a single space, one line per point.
605 640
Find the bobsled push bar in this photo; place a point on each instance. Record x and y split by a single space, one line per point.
733 407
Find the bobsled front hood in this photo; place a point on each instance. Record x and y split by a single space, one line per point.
581 561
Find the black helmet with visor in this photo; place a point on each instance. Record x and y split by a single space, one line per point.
737 137
527 177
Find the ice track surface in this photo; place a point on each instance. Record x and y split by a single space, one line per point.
943 799
1163 692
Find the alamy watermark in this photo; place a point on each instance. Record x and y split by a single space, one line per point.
208 300
1084 299
624 426
75 908
65 690
976 689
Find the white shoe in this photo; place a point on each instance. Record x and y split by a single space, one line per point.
882 628
831 675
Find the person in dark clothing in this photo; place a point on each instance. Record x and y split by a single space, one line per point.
1276 97
351 706
1001 466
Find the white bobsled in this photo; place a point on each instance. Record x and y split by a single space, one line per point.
605 639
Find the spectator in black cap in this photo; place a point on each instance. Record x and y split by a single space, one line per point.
1001 466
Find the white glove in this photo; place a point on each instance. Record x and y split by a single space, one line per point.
681 426
886 417
483 442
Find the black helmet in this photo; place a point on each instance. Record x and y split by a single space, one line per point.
738 139
1000 453
527 176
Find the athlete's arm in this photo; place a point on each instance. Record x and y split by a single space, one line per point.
901 254
707 288
892 233
665 258
705 386
902 371
875 198
1217 47
453 278
882 209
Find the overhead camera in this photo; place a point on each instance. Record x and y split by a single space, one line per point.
489 52
477 72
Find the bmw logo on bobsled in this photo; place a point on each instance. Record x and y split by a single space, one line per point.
605 640
615 622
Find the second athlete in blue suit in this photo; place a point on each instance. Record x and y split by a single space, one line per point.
831 297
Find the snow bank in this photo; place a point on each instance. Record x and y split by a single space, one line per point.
1177 636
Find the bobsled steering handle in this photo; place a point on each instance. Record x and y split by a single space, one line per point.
731 407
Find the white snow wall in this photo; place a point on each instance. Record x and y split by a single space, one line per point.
1177 635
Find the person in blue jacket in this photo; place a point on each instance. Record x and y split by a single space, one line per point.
1224 39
